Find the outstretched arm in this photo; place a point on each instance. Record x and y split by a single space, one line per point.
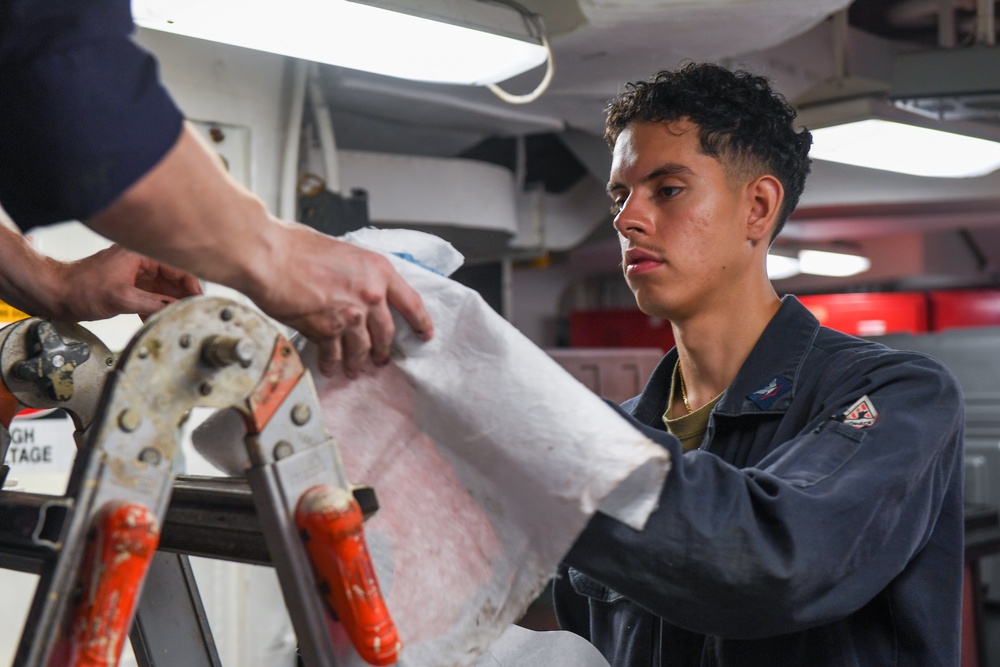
107 283
187 211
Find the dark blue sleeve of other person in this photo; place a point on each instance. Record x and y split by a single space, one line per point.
83 114
820 524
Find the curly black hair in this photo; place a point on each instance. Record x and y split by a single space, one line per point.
741 121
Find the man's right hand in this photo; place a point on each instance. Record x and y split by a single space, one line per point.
338 295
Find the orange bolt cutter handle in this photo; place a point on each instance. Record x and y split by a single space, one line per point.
120 546
332 526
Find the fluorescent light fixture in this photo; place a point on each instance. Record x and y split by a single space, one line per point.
785 263
780 266
874 133
359 36
906 149
823 263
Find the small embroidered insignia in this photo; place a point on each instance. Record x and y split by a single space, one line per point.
768 391
862 414
768 395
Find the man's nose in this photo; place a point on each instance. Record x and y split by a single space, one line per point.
633 218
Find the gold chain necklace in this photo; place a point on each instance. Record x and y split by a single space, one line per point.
684 394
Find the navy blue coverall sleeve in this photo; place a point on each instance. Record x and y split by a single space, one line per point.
82 112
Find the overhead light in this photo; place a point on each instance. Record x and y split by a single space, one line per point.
441 41
906 149
837 264
785 263
780 267
876 134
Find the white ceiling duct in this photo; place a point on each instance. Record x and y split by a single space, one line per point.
469 203
710 29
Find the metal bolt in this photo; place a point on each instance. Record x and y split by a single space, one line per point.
205 389
150 455
58 361
226 314
110 361
129 420
245 351
185 340
301 414
221 351
283 450
143 352
285 351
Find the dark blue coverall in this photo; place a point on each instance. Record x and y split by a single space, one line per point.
800 533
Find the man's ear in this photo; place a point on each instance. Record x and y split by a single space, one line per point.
765 195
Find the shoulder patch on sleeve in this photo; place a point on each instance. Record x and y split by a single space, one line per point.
862 414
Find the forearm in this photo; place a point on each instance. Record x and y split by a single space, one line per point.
189 213
29 280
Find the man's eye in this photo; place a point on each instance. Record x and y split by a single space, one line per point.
616 206
670 191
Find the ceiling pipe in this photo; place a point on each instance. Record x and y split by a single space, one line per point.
986 22
539 123
841 26
947 33
293 133
324 126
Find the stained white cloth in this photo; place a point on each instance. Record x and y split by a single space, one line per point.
519 647
488 460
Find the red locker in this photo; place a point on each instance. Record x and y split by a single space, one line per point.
618 328
955 309
871 314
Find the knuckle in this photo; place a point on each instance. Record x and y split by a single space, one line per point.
338 320
380 263
353 318
326 328
371 296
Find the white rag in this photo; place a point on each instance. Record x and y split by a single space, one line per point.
487 457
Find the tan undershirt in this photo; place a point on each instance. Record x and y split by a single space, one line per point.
689 429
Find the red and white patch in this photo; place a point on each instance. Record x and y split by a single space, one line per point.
862 414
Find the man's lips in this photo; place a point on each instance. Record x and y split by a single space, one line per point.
639 261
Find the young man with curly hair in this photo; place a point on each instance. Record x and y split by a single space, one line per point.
813 513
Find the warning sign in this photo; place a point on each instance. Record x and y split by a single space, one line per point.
41 441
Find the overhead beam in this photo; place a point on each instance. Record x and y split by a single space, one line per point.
942 72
